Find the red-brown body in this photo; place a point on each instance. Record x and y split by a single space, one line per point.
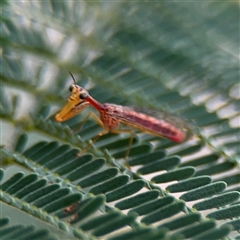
112 115
158 123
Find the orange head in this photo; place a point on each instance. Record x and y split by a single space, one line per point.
76 103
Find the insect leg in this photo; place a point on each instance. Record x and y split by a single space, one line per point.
85 120
132 134
105 131
93 141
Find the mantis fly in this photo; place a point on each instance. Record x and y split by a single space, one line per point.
158 123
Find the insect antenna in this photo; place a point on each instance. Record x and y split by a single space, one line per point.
73 78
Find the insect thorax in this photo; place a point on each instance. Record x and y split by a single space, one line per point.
107 115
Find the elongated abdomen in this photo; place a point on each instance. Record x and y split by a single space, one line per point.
155 122
157 127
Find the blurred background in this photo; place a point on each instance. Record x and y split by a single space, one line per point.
180 57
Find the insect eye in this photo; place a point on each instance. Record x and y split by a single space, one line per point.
83 95
71 88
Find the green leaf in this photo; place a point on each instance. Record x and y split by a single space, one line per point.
188 184
40 192
221 200
34 150
152 205
204 191
114 225
162 213
142 233
202 160
4 221
177 174
163 164
42 201
110 185
86 169
22 183
216 169
216 233
234 223
151 157
182 221
87 209
137 200
21 143
71 165
62 202
30 188
22 232
230 212
6 186
1 175
100 220
146 56
98 177
193 231
125 190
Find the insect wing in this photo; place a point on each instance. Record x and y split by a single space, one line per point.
155 122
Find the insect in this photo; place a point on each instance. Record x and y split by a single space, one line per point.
158 123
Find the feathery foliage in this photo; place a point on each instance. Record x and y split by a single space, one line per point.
180 57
